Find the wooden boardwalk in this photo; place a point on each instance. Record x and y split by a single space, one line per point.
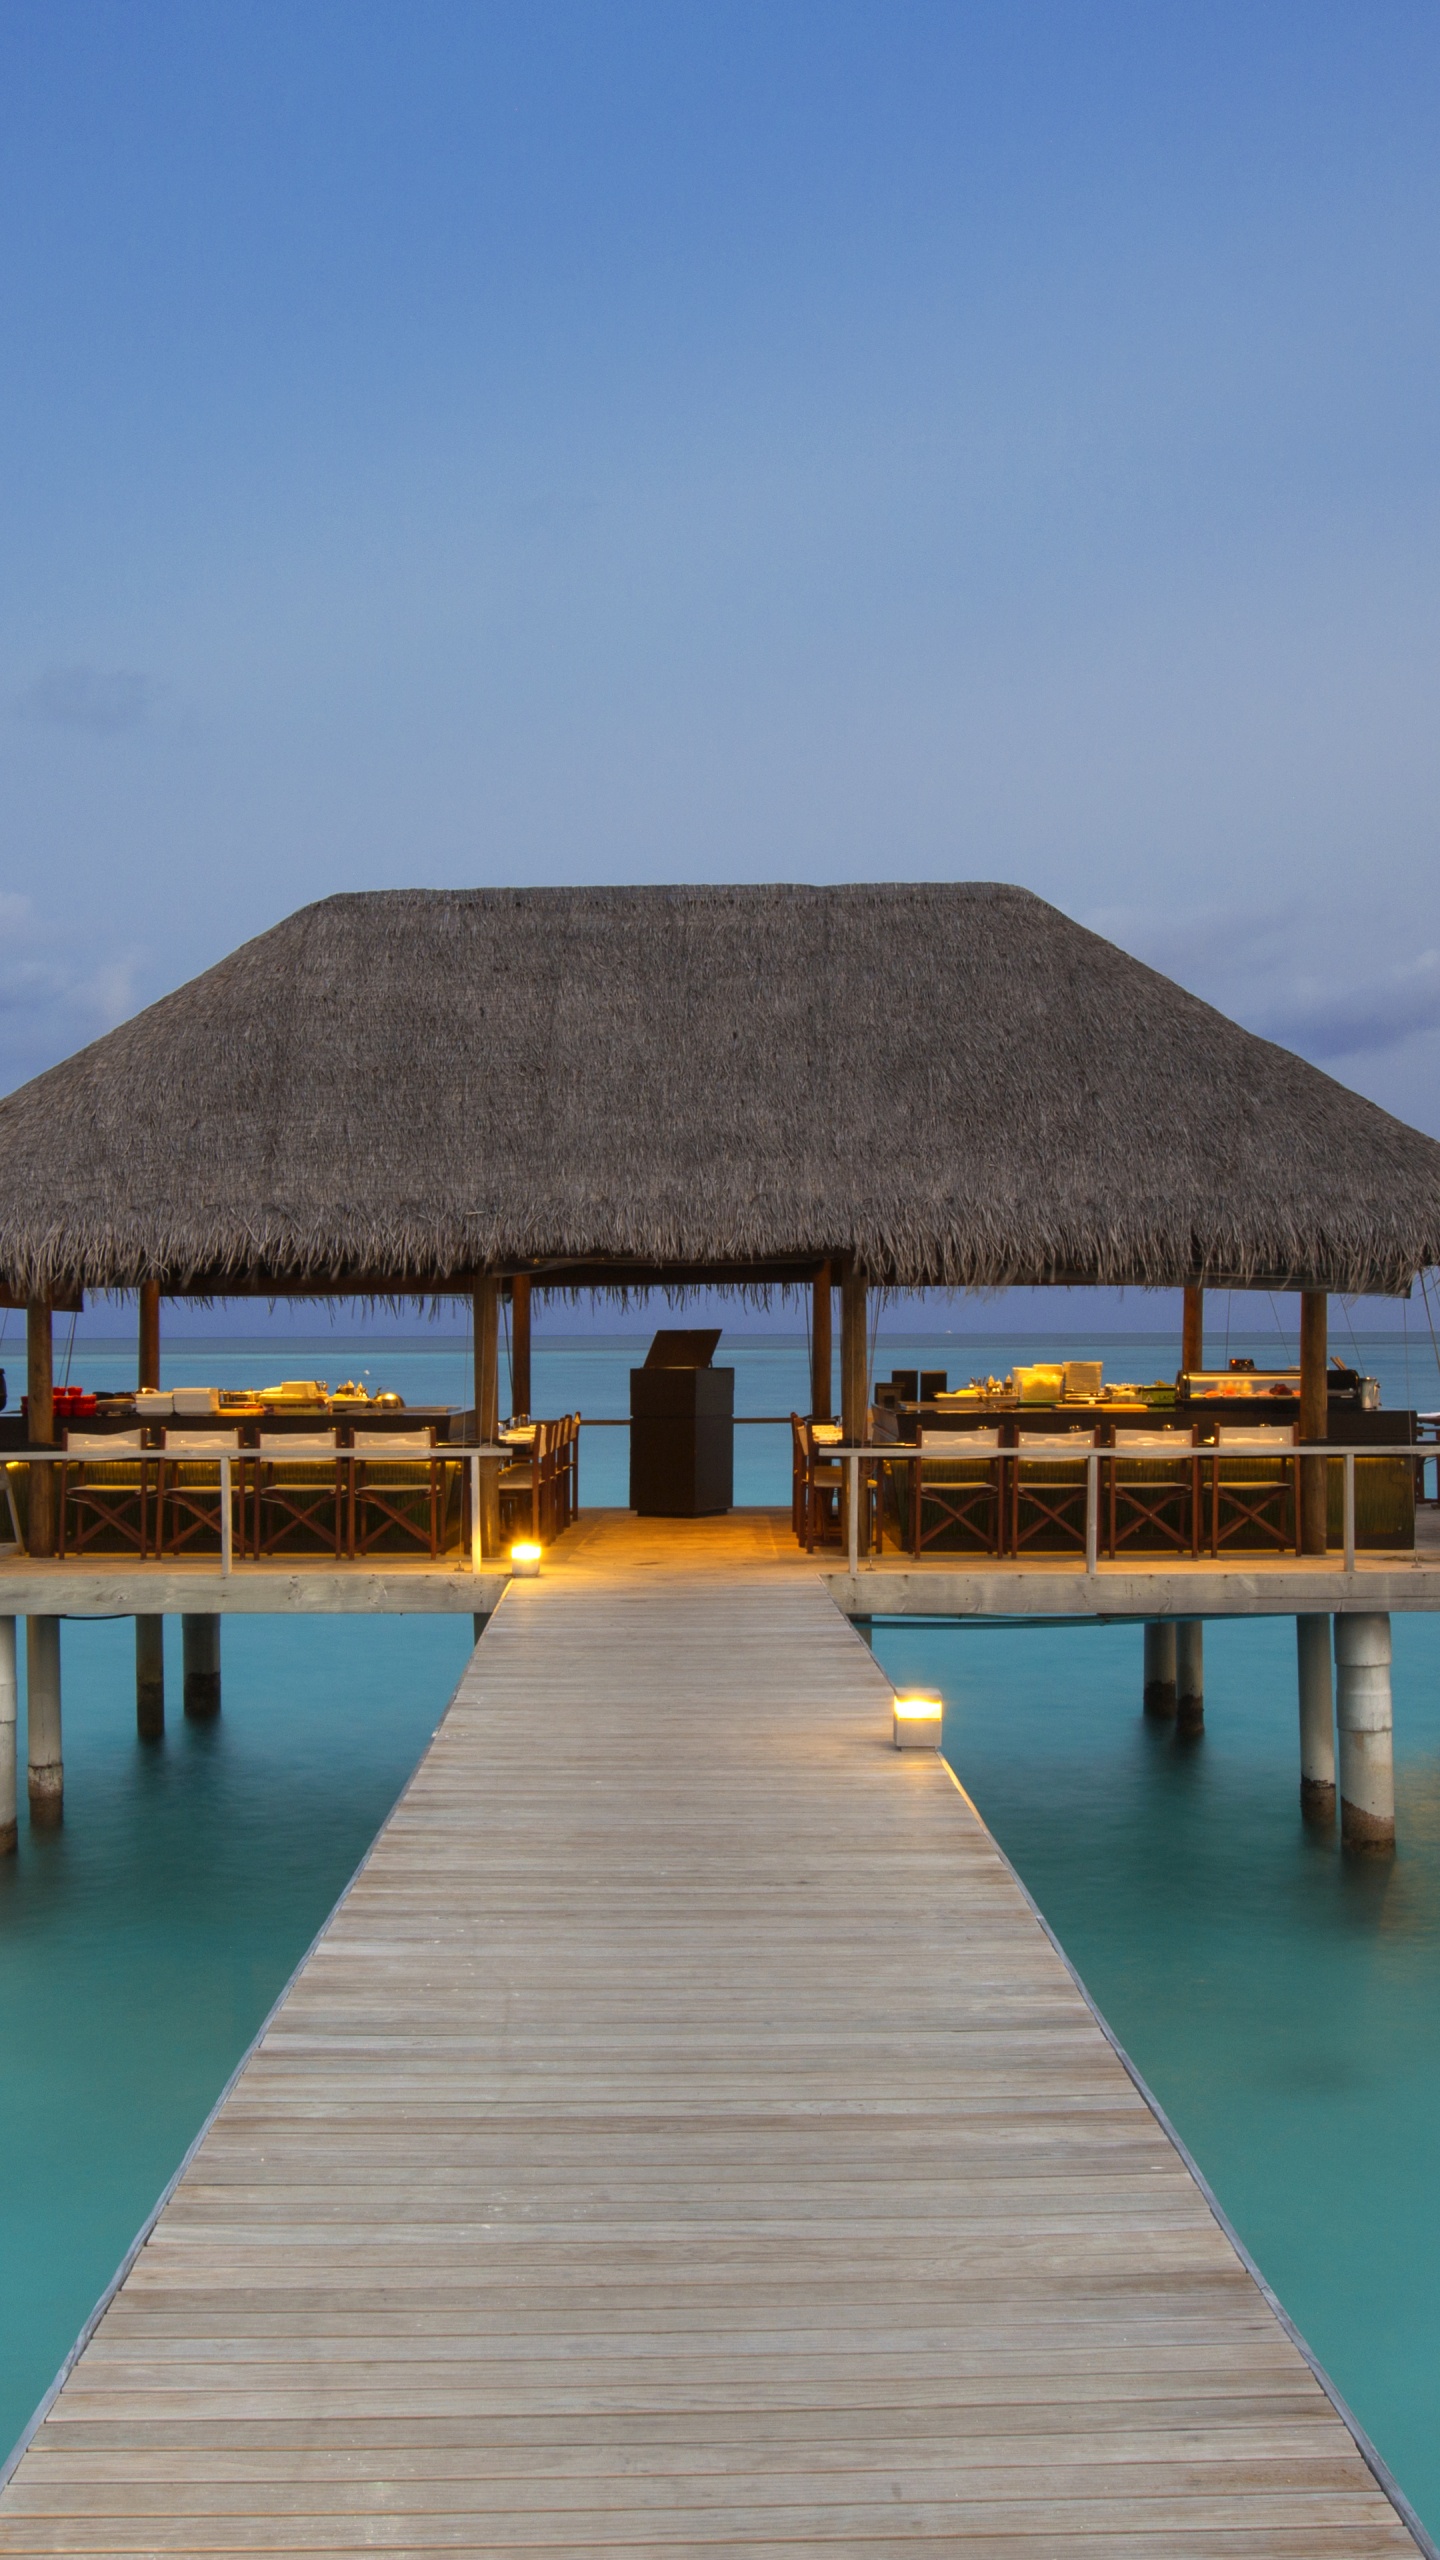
684 2139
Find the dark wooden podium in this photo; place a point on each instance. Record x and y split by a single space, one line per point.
682 1429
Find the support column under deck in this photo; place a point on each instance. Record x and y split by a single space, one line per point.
201 1640
150 1678
1160 1667
1317 1720
44 1746
1190 1674
1365 1722
9 1705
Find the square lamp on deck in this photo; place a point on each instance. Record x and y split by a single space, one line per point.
525 1557
917 1720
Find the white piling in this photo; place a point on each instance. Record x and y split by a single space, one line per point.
201 1639
1190 1674
1317 1720
42 1719
1365 1719
9 1826
150 1678
1160 1667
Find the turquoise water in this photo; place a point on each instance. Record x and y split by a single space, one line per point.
1284 2002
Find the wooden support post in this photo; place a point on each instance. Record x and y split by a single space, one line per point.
40 1388
201 1640
1192 1345
149 1333
42 1718
487 1407
822 1350
520 1349
1314 1421
1365 1717
1190 1675
1317 1721
1160 1667
9 1704
150 1679
854 1389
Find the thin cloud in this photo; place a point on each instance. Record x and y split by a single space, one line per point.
48 1004
91 698
1376 1013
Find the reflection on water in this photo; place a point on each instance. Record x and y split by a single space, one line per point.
1281 1997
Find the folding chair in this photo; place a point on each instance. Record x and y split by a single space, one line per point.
1154 1492
105 1501
1254 1503
300 1490
188 1497
1047 1489
970 1504
394 1491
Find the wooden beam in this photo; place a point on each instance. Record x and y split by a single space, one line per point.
40 1388
822 1352
854 1355
1192 1349
520 1347
1314 1420
149 1333
487 1405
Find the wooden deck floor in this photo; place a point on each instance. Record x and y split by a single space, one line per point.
684 2139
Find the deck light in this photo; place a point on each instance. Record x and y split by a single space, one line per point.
917 1721
525 1557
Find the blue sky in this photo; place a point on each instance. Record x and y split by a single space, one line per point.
453 444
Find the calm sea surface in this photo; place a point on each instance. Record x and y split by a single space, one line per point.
1282 2001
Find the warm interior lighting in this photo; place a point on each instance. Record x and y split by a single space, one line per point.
525 1556
917 1721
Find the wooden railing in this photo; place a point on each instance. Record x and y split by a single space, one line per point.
914 1454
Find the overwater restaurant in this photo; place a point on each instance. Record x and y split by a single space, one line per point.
819 1094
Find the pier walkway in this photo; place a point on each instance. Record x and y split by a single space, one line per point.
684 2139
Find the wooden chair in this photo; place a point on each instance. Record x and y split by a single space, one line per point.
526 1494
1254 1502
1154 1491
564 1473
106 1500
189 1491
822 1490
395 1491
970 1505
1048 1489
300 1494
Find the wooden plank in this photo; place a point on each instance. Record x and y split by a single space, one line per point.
685 2138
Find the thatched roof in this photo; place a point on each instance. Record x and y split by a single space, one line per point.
951 1081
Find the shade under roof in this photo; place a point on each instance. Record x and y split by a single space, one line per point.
951 1081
